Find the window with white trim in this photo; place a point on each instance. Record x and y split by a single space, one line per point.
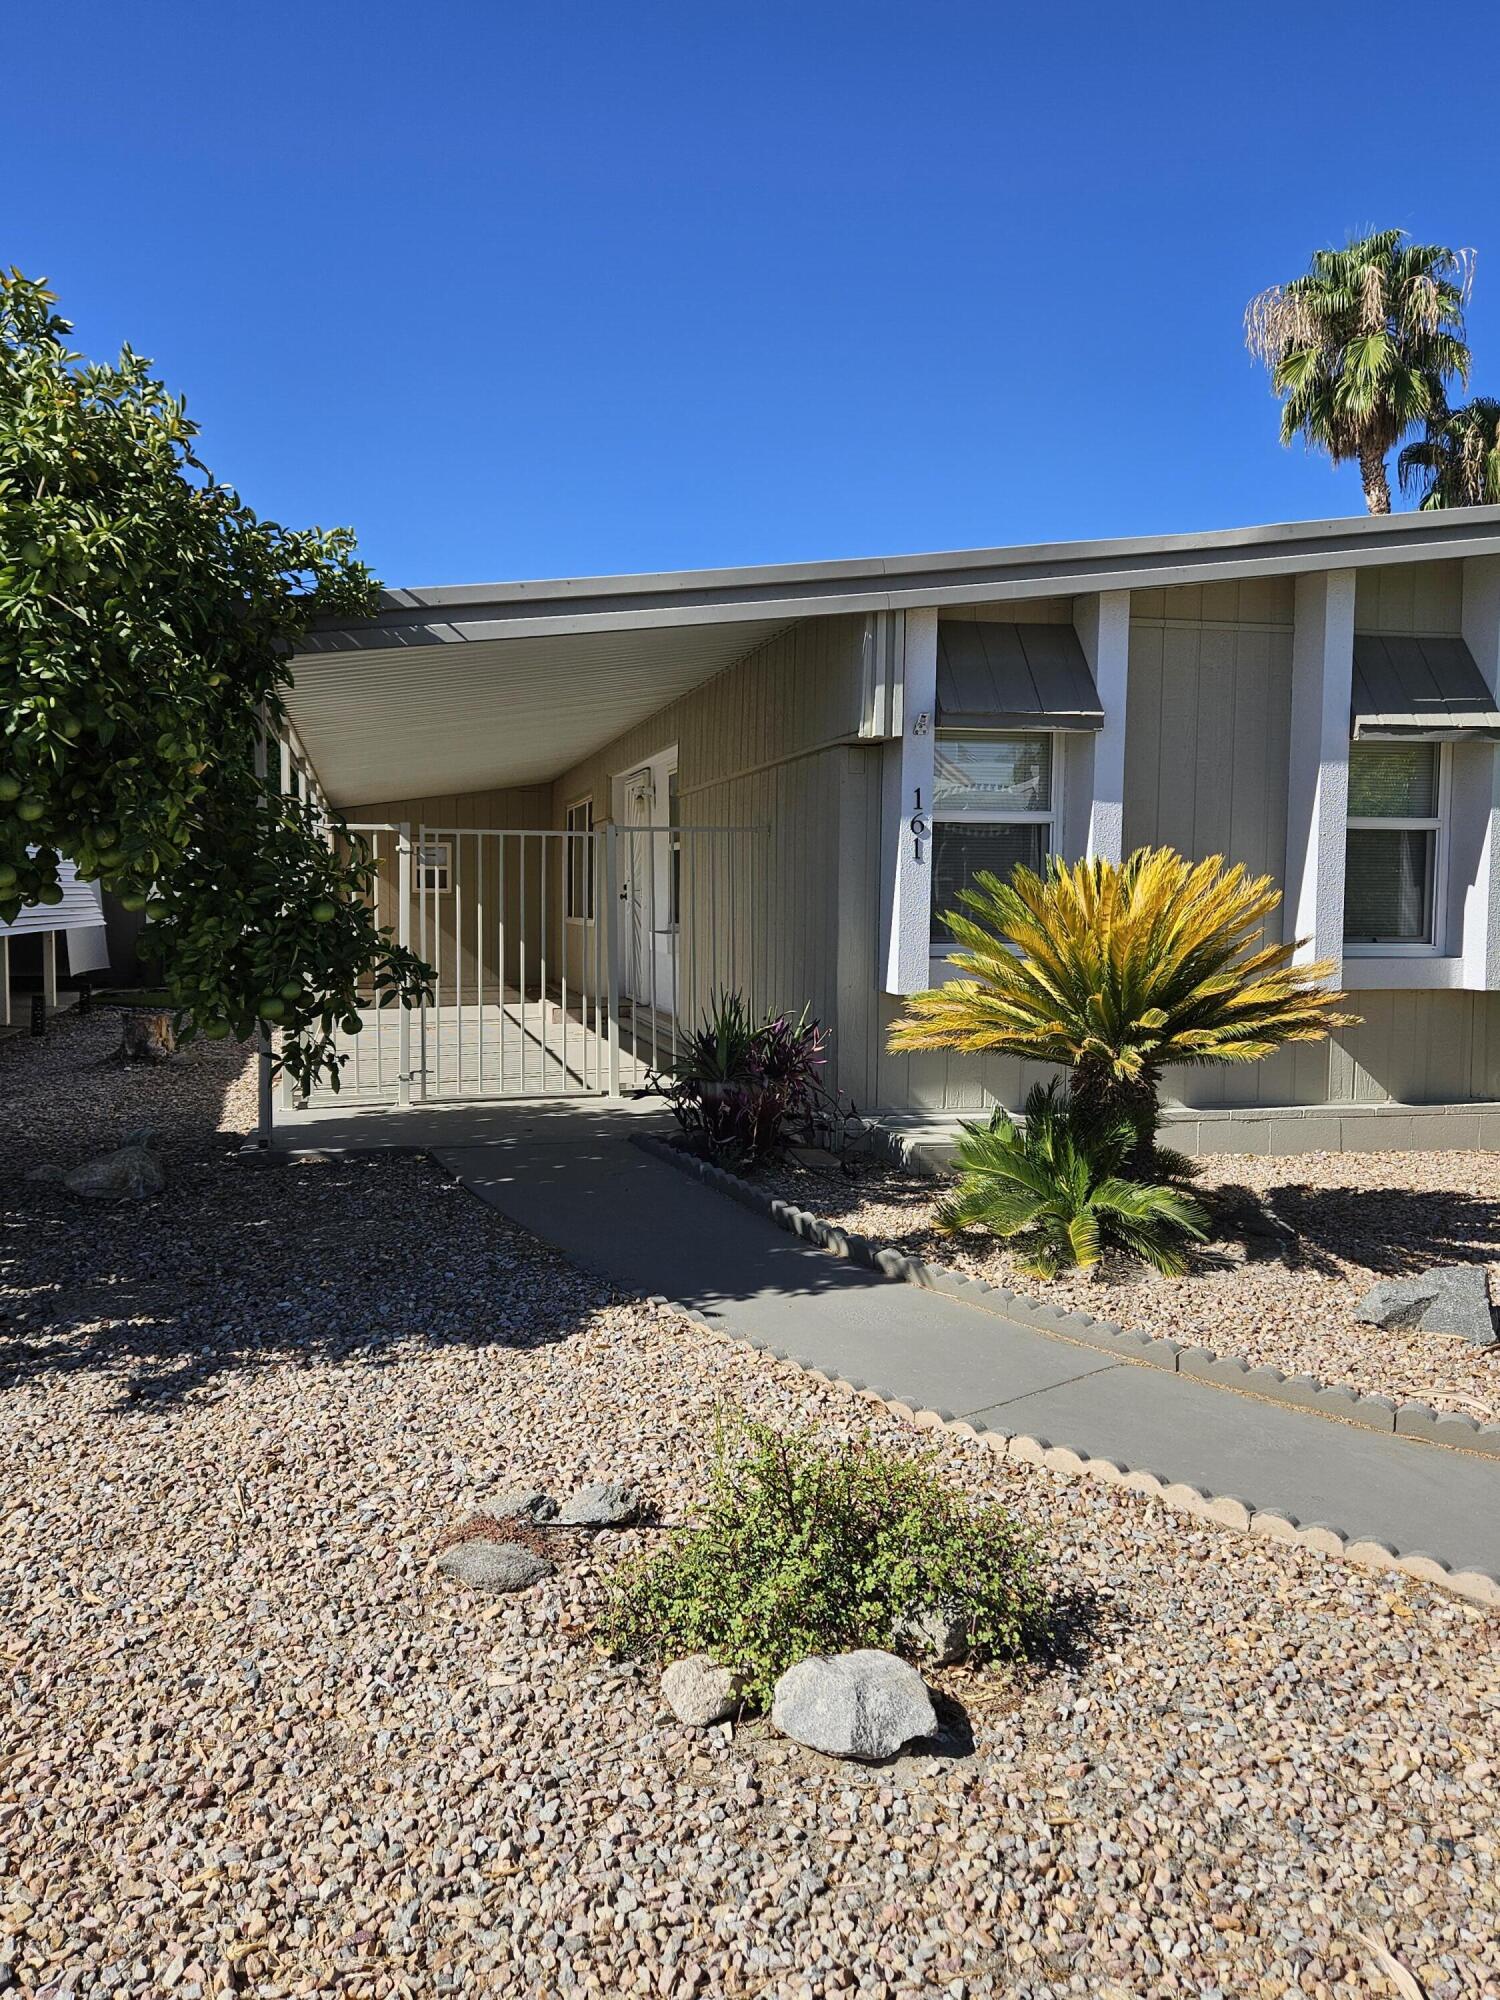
994 808
1393 859
435 867
580 874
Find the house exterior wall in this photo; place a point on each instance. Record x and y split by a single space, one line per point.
780 744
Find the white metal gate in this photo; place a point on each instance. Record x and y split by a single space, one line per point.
565 963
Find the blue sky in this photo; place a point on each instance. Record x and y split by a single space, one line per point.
574 288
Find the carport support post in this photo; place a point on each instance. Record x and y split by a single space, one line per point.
403 937
49 970
4 982
612 952
263 1089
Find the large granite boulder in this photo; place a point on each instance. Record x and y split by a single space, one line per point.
1450 1298
864 1705
131 1173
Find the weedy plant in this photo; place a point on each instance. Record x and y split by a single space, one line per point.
805 1547
1057 1188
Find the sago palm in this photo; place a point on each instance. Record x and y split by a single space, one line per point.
1115 969
1362 347
1457 464
1057 1190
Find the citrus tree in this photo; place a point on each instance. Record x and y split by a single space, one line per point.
146 622
1116 969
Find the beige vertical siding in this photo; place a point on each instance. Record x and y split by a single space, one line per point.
1410 598
1418 1048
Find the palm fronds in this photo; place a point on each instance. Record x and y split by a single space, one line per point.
1058 1190
1457 462
1362 347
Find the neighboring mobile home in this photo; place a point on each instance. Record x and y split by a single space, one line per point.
594 801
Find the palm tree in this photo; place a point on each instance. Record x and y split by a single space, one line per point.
1115 969
1457 464
1362 347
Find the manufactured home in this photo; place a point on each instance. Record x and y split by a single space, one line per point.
593 802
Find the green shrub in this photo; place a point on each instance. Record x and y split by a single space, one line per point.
1057 1188
808 1548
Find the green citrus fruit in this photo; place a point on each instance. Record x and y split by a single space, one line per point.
215 1031
50 893
271 1007
132 900
292 990
10 786
7 875
352 1024
324 913
30 810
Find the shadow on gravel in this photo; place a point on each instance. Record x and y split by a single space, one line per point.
239 1267
1395 1231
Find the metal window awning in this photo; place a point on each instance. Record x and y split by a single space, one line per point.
1004 676
1424 687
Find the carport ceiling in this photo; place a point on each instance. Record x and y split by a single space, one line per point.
405 722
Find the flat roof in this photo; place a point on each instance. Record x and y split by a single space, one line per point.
443 614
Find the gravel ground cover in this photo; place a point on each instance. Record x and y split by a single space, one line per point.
1360 1217
255 1744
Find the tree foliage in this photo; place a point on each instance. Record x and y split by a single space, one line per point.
1362 347
1115 969
1457 462
146 621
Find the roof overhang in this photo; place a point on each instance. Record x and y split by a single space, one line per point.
471 687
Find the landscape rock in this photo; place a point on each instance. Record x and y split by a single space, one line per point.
1451 1298
700 1692
864 1705
46 1172
494 1565
603 1503
132 1173
938 1633
522 1503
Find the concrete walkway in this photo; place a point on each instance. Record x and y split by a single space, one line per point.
570 1174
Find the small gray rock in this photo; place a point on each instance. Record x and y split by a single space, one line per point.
1451 1298
48 1171
698 1692
130 1174
522 1503
937 1633
494 1565
601 1504
864 1705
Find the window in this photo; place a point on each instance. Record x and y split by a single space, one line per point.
993 809
1393 857
435 867
580 846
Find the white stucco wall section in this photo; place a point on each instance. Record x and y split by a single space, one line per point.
906 815
1475 833
1318 778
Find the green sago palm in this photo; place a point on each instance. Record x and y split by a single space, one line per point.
1057 1189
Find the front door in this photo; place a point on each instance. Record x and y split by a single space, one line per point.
649 943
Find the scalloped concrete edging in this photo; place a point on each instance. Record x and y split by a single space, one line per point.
1475 1586
1202 1364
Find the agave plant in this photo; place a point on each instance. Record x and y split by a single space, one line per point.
1114 969
1057 1189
